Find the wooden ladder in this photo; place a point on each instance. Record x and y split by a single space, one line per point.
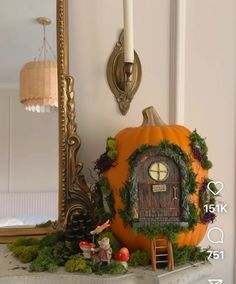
162 252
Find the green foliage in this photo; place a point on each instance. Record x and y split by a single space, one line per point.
200 149
25 249
46 254
198 140
126 197
61 252
206 164
26 253
206 196
193 216
45 224
169 231
113 241
111 143
107 159
51 239
44 261
105 200
113 268
23 242
139 258
53 251
183 255
126 216
78 264
192 183
104 185
112 148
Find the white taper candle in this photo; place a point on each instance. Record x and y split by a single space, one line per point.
128 31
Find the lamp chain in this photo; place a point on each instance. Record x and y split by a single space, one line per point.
45 47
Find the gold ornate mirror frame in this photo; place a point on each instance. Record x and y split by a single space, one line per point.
76 208
76 211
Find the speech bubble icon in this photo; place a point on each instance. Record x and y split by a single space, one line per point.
219 235
217 184
215 281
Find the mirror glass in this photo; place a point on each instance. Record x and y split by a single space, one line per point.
29 141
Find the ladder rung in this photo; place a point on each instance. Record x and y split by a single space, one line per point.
161 247
162 254
160 240
162 261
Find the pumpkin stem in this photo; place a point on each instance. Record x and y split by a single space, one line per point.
151 117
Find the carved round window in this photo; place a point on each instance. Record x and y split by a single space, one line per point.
158 171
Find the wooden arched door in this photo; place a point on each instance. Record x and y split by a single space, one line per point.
159 192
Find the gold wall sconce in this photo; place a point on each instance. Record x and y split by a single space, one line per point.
123 77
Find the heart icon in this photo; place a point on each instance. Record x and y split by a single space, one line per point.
215 281
217 184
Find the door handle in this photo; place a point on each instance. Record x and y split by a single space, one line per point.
175 192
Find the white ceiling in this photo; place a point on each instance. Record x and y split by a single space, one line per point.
21 36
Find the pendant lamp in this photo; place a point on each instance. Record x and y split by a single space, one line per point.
38 79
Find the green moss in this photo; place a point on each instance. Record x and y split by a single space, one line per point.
193 216
61 252
25 249
200 149
139 258
44 261
206 164
114 268
192 183
112 154
111 143
105 200
46 254
183 255
23 242
78 264
169 231
26 253
128 199
51 239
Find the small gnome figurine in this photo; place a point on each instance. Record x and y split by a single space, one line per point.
104 251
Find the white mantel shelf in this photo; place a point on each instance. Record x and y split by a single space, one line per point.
12 272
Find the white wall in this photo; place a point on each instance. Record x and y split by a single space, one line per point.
94 30
29 147
210 103
206 54
29 156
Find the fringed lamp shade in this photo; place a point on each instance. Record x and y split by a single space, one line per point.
38 86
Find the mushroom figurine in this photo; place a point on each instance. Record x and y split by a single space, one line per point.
122 256
87 248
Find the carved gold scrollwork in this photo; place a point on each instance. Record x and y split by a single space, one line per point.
73 139
80 216
76 208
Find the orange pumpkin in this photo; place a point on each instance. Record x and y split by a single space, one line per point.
151 132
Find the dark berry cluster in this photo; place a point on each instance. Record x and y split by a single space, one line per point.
208 217
103 163
204 185
197 153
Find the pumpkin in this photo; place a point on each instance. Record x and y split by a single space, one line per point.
152 131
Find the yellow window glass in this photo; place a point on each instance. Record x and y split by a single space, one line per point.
158 171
